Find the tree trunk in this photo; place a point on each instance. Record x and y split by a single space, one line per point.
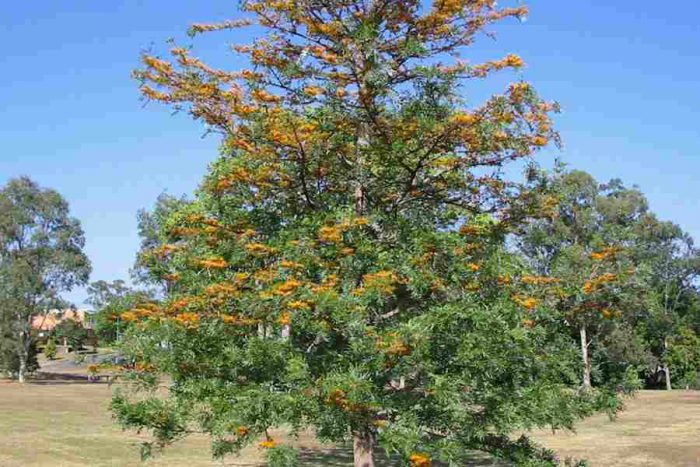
22 355
586 360
363 449
667 370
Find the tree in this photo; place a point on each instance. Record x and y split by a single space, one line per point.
339 267
672 267
72 332
584 254
110 300
151 266
50 349
41 255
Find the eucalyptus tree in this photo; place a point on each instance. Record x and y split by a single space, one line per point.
41 256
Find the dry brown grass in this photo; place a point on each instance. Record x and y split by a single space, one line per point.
658 428
61 423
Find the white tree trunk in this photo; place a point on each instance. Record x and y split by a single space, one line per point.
586 359
667 370
363 450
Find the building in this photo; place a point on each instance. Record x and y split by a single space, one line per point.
46 323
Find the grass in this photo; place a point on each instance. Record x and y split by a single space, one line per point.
658 428
66 423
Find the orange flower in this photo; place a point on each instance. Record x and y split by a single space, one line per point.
540 141
189 320
290 264
420 460
463 119
129 316
214 263
298 305
285 319
473 267
526 302
242 430
268 444
313 91
287 287
514 61
258 249
330 234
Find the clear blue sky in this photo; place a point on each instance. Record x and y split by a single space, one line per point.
625 73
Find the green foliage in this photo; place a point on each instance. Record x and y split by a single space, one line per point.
683 357
282 456
110 301
50 349
73 332
10 356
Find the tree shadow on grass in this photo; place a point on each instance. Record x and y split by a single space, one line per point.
49 379
341 456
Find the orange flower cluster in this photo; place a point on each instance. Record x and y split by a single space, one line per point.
529 303
330 234
222 289
594 284
242 430
473 267
509 61
420 460
326 285
290 264
165 250
237 321
185 231
268 444
337 397
285 318
298 305
143 310
213 263
287 287
539 280
464 119
263 96
605 253
381 281
504 280
173 277
313 91
259 249
188 320
396 346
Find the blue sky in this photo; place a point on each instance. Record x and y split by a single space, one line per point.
625 73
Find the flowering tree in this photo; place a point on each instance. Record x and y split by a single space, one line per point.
341 266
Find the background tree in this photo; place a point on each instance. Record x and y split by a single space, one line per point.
71 332
339 268
110 300
585 250
150 268
50 349
41 255
672 266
